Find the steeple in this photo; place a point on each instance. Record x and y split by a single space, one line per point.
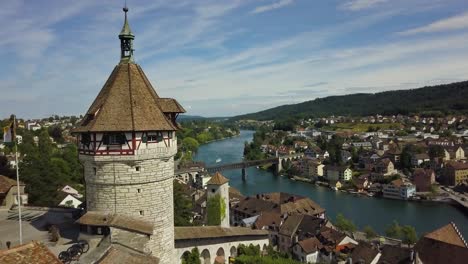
126 40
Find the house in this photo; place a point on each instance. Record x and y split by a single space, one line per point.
454 153
363 145
444 245
418 159
338 173
361 184
325 155
398 189
8 193
385 166
375 187
280 202
301 145
270 221
312 152
396 254
311 167
331 237
455 173
393 153
423 179
285 150
364 253
308 250
298 227
70 201
345 156
72 191
336 185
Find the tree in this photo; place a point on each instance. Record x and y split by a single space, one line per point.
182 206
250 250
436 151
56 133
192 257
394 230
344 224
369 231
409 235
216 210
190 144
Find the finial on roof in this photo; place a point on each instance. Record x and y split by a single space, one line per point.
126 39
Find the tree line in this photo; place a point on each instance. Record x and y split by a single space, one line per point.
434 100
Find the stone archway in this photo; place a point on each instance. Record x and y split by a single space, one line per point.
264 250
220 256
233 252
205 257
184 255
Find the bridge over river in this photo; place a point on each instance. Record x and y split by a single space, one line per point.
277 161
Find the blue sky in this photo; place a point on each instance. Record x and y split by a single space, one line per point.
222 58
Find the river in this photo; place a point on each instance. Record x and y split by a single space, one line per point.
376 212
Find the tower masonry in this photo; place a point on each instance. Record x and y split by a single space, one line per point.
219 185
127 144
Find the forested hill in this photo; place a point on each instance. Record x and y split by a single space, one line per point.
439 99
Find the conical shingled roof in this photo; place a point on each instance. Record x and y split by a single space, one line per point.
217 179
128 102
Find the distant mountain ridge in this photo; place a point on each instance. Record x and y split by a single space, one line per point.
445 98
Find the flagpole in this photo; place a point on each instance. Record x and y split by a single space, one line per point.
17 182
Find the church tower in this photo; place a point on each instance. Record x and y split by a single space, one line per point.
127 143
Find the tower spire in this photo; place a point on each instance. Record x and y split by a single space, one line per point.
126 40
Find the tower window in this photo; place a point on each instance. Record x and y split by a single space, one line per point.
139 190
137 168
213 190
95 171
114 139
142 212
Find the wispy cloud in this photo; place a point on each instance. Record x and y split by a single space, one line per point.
272 6
216 57
356 5
448 24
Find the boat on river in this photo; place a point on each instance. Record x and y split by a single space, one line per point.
218 160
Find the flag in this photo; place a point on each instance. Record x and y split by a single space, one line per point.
9 133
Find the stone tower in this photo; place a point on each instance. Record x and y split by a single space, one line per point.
127 144
219 185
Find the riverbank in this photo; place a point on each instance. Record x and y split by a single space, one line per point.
366 194
378 213
219 139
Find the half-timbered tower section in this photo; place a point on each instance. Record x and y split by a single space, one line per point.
127 144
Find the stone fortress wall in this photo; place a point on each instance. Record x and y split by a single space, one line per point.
137 185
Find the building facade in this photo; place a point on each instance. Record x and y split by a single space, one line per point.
398 189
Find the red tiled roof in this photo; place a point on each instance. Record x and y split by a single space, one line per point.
310 245
458 165
448 234
32 252
444 245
